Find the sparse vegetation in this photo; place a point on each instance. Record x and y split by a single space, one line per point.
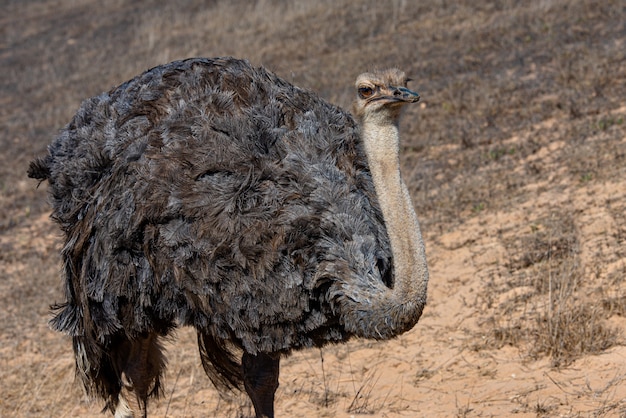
517 160
555 317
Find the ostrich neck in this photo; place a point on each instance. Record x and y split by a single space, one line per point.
381 142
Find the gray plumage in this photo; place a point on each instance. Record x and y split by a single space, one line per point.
210 193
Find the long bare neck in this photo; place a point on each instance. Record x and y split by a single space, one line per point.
381 140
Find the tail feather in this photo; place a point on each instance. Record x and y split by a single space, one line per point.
39 168
221 363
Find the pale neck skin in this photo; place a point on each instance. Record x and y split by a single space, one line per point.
381 141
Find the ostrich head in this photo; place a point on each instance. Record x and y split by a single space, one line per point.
381 95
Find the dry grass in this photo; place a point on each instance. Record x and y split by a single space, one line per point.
521 135
553 315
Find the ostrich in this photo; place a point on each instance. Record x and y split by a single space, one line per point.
213 194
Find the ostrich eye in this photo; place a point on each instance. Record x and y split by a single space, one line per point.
365 92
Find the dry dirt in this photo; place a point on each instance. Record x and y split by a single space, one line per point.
516 161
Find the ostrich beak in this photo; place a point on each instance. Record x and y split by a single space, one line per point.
405 95
397 96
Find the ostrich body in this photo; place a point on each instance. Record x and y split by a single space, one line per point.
210 193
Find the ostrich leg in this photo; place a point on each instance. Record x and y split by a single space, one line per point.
141 362
260 378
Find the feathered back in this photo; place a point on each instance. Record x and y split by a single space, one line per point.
214 194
